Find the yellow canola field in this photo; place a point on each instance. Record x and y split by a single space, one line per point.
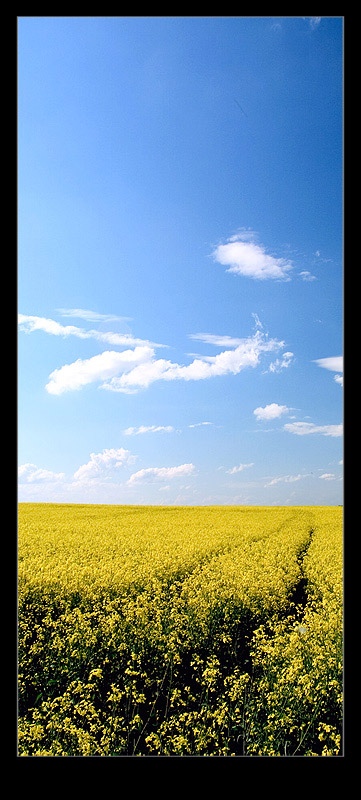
179 630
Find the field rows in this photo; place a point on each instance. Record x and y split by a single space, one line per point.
175 630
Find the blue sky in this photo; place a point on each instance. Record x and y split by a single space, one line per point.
180 247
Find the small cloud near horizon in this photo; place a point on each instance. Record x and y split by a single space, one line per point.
306 428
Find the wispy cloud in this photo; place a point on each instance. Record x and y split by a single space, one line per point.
245 257
306 428
90 316
240 468
307 276
327 476
281 363
148 429
246 354
102 462
160 473
257 321
199 424
217 341
29 324
333 363
133 369
271 411
313 22
285 479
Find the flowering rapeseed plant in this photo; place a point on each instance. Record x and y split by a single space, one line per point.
176 631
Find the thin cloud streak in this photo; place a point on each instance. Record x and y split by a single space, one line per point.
333 363
29 324
240 468
91 316
148 429
160 473
306 428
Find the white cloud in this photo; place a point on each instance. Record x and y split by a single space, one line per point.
305 428
100 367
246 354
307 276
240 468
100 462
148 429
218 341
134 369
28 324
285 479
90 316
161 473
314 22
334 363
257 321
30 473
283 363
31 323
339 379
328 476
245 257
198 424
272 411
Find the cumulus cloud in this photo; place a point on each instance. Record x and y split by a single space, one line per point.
242 256
133 369
271 411
339 379
148 429
246 354
160 473
240 468
100 462
81 372
30 473
306 428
